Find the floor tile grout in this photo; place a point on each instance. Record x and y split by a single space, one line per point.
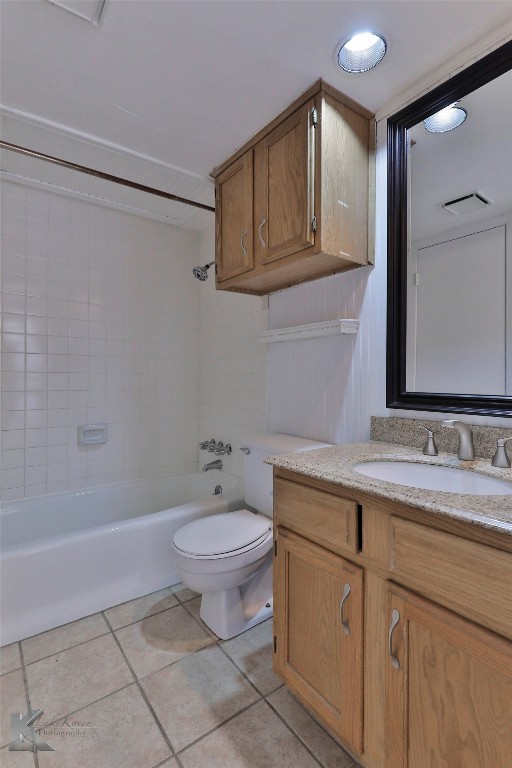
174 755
68 648
27 694
288 726
143 693
220 725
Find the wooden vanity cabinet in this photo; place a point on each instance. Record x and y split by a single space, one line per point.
296 202
319 632
425 678
448 689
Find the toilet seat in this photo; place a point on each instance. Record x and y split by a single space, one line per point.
222 536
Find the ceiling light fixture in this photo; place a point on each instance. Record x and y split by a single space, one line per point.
446 119
361 52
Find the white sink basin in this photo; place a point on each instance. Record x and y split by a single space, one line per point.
433 477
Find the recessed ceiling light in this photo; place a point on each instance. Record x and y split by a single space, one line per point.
362 52
446 119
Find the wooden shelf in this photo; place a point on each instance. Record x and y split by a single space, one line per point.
311 331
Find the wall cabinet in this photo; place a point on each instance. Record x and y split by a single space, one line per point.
296 202
424 679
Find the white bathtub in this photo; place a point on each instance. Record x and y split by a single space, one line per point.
66 555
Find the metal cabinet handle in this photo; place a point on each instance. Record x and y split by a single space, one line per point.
262 224
395 618
346 593
244 250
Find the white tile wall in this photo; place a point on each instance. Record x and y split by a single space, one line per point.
232 390
100 323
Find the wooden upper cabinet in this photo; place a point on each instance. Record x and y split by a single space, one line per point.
234 220
311 196
284 193
449 689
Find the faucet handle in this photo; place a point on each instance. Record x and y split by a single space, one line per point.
430 447
205 445
500 458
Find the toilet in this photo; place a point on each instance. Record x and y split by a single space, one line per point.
228 557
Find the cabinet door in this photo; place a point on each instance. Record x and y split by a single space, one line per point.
318 622
234 219
284 188
449 689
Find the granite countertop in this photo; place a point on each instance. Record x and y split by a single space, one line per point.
335 465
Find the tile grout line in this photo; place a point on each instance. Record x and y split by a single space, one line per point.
317 760
143 694
220 725
27 695
68 648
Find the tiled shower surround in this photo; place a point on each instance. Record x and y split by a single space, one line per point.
104 322
100 324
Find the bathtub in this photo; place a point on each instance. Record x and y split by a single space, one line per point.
66 555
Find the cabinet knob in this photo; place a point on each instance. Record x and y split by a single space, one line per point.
395 618
244 250
262 224
346 593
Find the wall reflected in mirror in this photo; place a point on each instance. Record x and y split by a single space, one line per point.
459 259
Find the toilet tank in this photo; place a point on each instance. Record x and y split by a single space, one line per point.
257 474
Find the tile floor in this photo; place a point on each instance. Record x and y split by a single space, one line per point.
147 684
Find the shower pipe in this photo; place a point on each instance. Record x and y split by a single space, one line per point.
102 175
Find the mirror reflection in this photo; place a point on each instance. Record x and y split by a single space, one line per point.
459 260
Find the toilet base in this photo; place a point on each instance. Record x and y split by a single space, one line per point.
232 611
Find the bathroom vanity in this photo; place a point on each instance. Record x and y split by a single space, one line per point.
393 609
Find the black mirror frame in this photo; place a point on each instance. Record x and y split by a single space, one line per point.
481 72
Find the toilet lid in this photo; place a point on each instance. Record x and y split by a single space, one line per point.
220 534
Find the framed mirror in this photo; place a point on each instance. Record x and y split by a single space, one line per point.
449 328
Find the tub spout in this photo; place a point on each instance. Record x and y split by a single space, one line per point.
217 464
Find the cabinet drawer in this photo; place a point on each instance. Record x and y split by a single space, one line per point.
471 579
319 516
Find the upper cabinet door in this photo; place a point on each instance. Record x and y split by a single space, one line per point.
234 231
285 186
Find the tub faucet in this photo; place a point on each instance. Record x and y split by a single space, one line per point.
217 464
466 448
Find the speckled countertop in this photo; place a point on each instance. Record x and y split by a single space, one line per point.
335 465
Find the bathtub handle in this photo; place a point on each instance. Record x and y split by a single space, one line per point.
245 450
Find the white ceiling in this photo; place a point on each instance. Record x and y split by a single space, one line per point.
188 82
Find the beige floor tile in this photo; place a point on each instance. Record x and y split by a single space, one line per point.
17 759
76 677
194 606
12 701
196 694
66 636
256 738
116 732
252 652
141 608
9 658
320 743
162 639
183 593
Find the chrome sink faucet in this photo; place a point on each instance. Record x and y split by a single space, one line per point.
466 447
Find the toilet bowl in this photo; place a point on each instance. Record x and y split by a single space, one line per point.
228 557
